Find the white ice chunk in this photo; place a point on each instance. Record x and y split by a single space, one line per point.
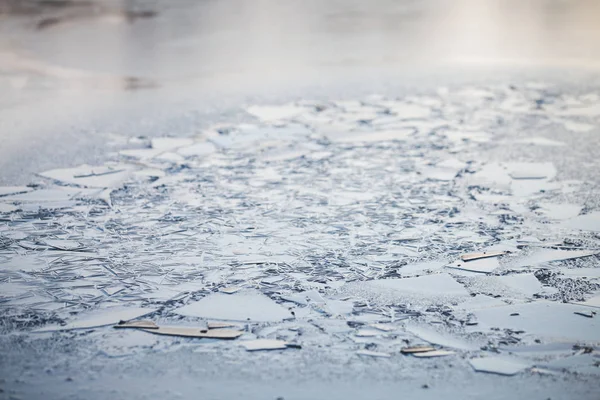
587 222
543 318
98 318
241 306
498 365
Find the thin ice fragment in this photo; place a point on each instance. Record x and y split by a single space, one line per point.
485 254
417 349
435 353
498 365
264 344
99 318
586 222
241 306
370 353
136 325
227 334
6 190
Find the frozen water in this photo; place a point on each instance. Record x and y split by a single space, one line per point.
241 306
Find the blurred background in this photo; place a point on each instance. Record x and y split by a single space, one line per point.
74 71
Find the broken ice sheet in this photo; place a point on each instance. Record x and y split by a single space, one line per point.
195 332
498 365
586 222
435 353
542 319
55 194
560 211
370 353
276 113
540 141
170 143
421 267
508 286
578 127
99 318
371 136
485 265
592 302
241 306
197 150
23 263
6 190
91 176
264 344
7 208
445 339
428 289
584 364
543 256
136 325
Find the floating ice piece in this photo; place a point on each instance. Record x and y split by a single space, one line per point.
498 365
339 307
170 143
242 306
419 268
479 302
560 211
196 332
141 154
416 349
91 176
590 273
102 317
439 173
197 150
491 175
24 263
383 327
586 364
428 289
542 318
443 339
371 136
370 353
367 333
587 314
66 245
587 222
55 195
550 349
485 265
531 187
6 190
579 127
593 302
264 344
526 284
543 256
220 325
7 208
471 136
276 113
516 285
407 110
230 289
170 157
540 141
435 353
525 170
136 325
485 254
